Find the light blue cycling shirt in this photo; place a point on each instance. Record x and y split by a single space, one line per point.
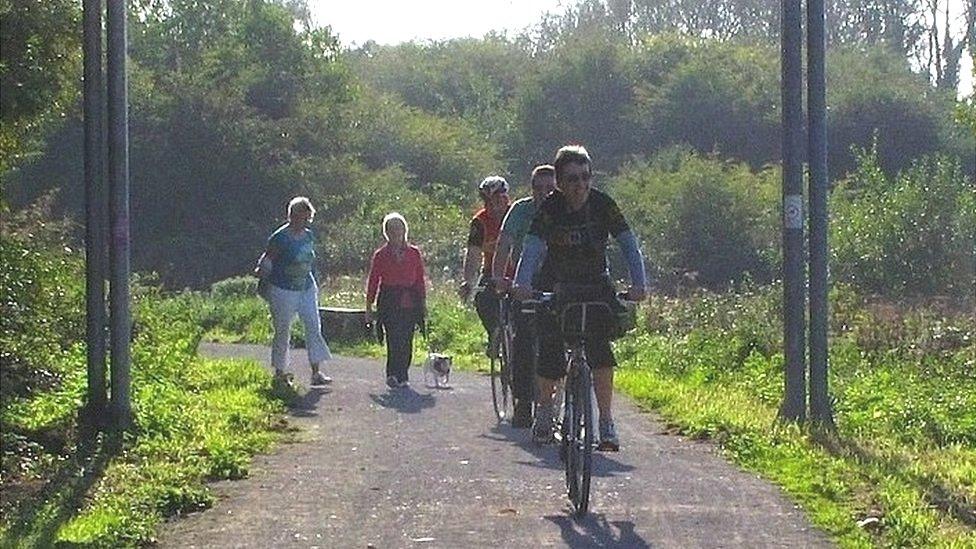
517 222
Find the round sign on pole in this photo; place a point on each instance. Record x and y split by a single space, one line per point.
793 211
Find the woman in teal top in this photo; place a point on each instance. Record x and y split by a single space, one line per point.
289 264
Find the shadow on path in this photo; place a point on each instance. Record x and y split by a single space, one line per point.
594 531
405 400
547 455
305 405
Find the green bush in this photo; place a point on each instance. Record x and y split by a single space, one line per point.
910 235
41 325
720 98
238 286
876 98
699 215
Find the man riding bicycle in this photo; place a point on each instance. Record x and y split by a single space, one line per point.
514 228
569 238
482 240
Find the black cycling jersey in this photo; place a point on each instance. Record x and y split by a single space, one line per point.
577 241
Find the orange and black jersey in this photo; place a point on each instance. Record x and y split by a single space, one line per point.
483 233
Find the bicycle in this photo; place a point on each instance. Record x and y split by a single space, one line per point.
500 344
580 312
501 362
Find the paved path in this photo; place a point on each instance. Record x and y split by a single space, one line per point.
431 468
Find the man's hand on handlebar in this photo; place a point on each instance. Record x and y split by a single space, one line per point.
636 294
521 293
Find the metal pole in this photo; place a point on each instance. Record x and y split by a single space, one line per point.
794 400
817 159
118 160
95 264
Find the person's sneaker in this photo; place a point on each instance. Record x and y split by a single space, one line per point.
609 442
523 414
392 382
403 384
318 378
542 427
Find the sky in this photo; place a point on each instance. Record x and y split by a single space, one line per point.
395 21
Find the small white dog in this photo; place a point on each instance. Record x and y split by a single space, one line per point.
437 371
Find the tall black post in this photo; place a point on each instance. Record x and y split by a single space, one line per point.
794 400
118 171
817 159
95 202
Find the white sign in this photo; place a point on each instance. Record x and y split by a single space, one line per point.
793 211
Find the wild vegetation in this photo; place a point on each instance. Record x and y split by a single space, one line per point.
197 419
217 120
237 106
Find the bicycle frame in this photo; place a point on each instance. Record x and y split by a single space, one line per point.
577 426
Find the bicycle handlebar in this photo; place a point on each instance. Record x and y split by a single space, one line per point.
529 306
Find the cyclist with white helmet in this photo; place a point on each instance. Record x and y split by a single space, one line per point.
482 240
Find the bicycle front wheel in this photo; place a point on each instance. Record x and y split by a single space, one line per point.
501 392
578 438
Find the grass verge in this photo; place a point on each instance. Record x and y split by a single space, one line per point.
899 469
196 420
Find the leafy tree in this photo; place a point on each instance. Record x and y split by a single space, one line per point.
475 80
721 19
874 95
40 54
715 97
432 150
581 93
170 35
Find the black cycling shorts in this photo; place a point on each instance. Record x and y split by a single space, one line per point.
552 357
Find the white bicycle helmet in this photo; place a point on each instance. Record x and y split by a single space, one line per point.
491 185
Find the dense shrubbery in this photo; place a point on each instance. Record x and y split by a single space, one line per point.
715 221
223 138
42 308
913 234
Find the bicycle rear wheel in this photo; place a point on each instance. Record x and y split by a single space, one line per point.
578 438
501 378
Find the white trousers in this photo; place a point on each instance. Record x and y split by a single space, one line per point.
284 305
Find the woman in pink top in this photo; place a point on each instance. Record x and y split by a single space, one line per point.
397 285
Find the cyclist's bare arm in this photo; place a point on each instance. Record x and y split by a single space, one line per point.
503 254
472 263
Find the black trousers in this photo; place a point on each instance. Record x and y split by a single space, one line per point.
523 359
486 303
399 344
